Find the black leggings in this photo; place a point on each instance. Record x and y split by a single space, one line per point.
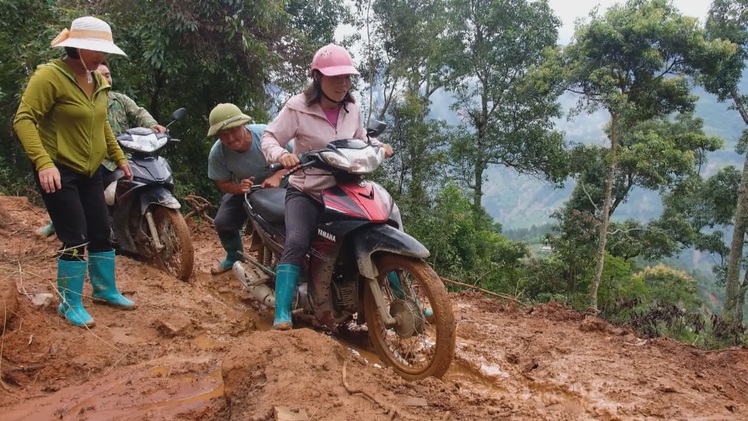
79 213
302 214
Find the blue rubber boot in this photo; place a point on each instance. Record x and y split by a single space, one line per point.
46 230
234 247
397 289
101 273
396 285
70 277
286 278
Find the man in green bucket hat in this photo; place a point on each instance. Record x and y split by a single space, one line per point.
235 163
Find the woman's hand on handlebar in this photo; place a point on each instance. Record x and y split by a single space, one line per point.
289 160
388 152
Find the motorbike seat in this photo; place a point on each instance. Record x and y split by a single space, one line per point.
270 203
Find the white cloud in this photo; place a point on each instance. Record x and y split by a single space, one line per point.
569 10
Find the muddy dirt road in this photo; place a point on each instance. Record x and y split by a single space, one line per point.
201 350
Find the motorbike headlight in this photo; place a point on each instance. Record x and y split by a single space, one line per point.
148 143
336 160
355 161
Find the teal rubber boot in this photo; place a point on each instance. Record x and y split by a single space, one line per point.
397 289
286 278
396 285
234 247
70 277
101 273
46 230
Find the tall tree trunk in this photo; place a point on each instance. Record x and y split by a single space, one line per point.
478 192
605 214
735 293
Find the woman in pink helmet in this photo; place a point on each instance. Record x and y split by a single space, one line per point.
325 111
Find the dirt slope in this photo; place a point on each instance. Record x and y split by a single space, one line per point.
201 351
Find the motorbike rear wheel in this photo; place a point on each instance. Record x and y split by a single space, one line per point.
422 343
178 254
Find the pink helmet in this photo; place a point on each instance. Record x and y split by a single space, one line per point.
333 60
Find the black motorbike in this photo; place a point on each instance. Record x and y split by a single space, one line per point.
146 221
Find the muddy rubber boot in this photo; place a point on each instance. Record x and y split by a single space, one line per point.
70 277
101 273
234 247
46 230
397 289
286 278
396 285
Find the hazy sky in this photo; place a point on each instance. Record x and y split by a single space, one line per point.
570 10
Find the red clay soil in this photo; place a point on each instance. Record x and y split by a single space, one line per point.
201 350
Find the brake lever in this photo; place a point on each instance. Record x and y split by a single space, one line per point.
278 166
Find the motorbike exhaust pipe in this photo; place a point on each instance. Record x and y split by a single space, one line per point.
255 282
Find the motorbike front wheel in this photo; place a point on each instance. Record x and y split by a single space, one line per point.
177 255
422 341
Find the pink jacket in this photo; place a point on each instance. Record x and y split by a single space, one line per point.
310 130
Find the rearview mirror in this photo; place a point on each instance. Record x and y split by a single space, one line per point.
375 128
178 114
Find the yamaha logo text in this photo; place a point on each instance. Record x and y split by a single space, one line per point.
326 235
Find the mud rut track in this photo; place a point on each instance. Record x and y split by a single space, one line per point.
200 350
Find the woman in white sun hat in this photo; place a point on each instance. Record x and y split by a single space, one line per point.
62 124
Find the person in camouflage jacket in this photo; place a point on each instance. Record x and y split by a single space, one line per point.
124 113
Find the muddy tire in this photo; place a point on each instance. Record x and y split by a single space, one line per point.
178 254
422 343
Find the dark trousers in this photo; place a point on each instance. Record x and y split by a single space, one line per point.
230 216
302 215
79 213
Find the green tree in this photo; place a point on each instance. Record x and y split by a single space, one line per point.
494 46
403 68
728 19
633 62
670 286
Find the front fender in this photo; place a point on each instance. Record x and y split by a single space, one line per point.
384 238
157 196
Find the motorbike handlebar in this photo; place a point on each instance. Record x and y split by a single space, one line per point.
275 167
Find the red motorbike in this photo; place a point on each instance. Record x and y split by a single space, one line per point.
362 267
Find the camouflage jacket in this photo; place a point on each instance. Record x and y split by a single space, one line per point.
124 113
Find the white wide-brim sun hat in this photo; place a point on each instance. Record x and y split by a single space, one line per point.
88 33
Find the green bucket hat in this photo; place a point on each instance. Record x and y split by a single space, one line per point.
224 117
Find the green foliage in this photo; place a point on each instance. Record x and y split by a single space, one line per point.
552 278
618 284
418 167
463 247
491 53
727 21
634 62
667 285
619 61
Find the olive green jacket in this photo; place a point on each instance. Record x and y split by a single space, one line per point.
58 124
124 113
